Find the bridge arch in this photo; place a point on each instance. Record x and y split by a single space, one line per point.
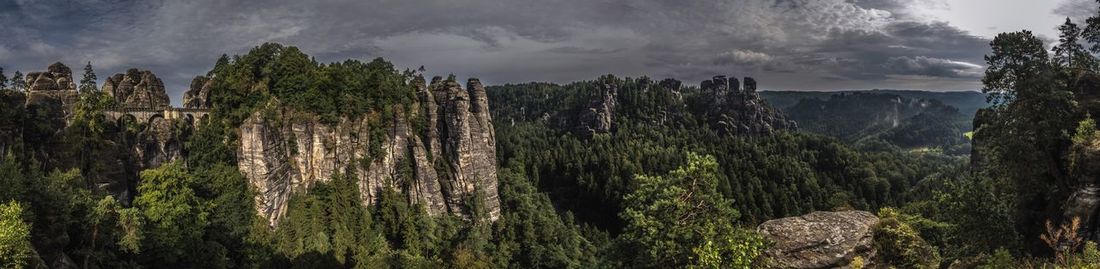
153 117
122 119
121 115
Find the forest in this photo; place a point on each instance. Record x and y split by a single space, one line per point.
614 172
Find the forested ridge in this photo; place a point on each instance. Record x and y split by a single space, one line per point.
614 172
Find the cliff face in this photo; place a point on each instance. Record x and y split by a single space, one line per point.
198 96
440 152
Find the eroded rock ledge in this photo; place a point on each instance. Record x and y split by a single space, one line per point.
820 239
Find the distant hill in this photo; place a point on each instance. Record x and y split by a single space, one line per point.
968 102
909 119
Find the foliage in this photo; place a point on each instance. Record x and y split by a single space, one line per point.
531 234
15 245
897 243
770 176
863 116
283 73
175 216
1069 52
1027 129
87 82
18 83
680 219
3 80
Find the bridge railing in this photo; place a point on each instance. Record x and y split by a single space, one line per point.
127 109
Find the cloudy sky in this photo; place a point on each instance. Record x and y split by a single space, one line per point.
785 44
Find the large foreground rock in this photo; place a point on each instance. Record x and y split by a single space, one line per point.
820 239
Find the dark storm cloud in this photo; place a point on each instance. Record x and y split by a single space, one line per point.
788 44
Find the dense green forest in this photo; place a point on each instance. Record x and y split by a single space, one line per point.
857 117
779 175
661 186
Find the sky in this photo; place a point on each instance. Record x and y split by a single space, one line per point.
784 44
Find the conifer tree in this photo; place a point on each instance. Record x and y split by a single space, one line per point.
87 83
3 80
17 82
1069 52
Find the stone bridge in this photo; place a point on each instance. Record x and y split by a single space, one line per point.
145 115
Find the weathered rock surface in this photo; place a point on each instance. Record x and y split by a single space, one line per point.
1084 204
159 143
137 89
52 87
198 95
738 110
442 165
820 239
57 77
597 119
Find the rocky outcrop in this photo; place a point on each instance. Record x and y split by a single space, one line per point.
137 89
198 95
736 110
820 239
468 144
1084 205
601 110
441 152
53 88
159 143
57 77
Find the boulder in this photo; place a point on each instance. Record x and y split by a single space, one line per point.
820 239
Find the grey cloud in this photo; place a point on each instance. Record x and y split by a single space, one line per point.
1078 10
931 67
800 44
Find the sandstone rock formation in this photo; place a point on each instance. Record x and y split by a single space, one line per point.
57 77
820 239
198 95
137 89
597 119
1084 204
53 88
451 158
733 109
159 143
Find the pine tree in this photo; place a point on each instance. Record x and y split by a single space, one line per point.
3 80
1069 52
87 84
17 82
